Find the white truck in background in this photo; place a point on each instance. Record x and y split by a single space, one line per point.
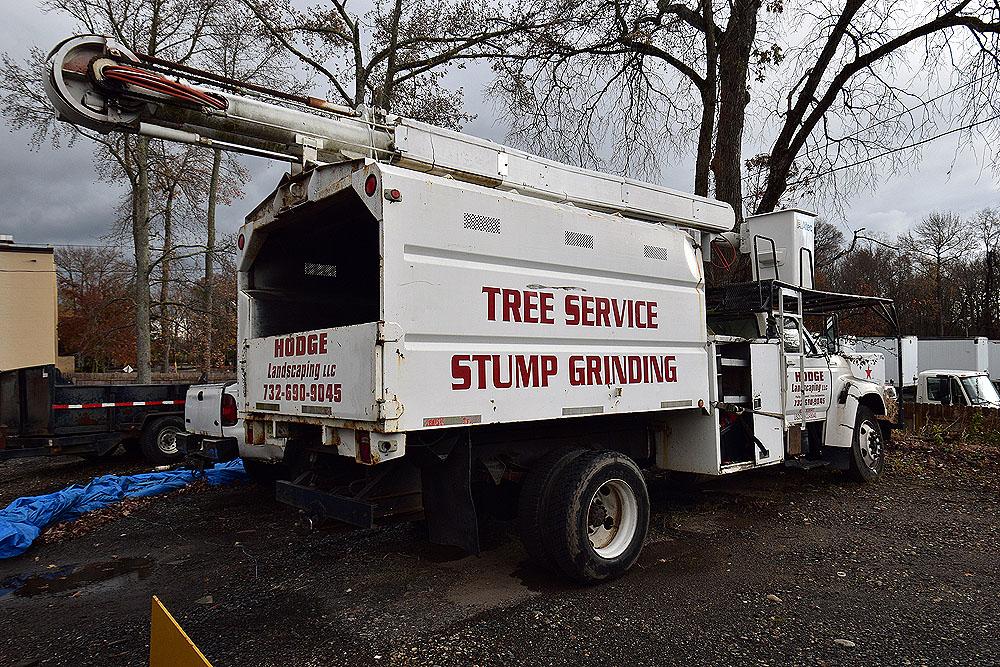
432 324
951 387
213 430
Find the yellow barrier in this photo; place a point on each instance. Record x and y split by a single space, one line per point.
169 645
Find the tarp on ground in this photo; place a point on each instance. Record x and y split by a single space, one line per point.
25 518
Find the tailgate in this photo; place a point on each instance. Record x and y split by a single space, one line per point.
321 373
203 409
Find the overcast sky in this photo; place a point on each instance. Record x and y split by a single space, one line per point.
52 196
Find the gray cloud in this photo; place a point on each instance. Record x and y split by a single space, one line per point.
52 196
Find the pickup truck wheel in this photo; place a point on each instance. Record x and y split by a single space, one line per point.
598 514
534 498
867 447
159 440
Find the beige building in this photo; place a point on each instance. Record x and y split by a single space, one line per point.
28 307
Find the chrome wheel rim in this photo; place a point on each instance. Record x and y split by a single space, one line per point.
612 518
166 441
870 443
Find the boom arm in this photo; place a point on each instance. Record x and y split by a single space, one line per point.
96 83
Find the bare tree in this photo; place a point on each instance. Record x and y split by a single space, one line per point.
395 55
937 241
817 76
986 224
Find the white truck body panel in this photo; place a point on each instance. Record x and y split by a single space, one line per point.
964 354
499 308
765 380
887 347
994 358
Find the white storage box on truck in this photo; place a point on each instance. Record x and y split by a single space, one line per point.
433 324
965 354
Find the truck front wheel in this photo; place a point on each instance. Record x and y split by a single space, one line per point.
597 516
867 447
158 441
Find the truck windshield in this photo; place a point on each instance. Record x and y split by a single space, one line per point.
980 390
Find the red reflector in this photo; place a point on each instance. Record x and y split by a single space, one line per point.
364 442
229 415
240 241
371 185
393 195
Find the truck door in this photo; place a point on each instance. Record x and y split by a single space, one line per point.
808 380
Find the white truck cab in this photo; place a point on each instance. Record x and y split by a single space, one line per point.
954 387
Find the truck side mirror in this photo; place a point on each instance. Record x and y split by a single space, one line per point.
831 334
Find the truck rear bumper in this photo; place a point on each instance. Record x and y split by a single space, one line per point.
205 448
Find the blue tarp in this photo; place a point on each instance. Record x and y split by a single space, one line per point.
23 520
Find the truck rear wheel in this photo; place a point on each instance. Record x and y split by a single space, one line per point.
158 441
533 501
597 516
867 447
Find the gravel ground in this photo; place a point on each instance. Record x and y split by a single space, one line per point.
772 567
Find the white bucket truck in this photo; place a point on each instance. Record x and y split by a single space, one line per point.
434 324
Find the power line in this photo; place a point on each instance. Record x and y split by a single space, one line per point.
901 113
904 147
882 121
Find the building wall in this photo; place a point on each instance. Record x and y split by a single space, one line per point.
28 308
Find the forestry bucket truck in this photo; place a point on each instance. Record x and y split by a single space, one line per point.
434 324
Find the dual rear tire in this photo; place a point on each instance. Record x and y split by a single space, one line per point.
584 513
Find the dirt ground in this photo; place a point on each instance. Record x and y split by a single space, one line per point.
775 567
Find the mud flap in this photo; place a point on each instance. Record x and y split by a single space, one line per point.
447 496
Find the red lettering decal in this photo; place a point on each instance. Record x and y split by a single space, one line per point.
527 370
461 374
603 308
668 362
549 366
531 307
481 361
322 343
511 305
572 309
491 301
497 381
279 347
576 375
547 307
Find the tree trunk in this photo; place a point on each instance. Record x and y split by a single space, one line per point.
939 289
213 188
734 59
166 332
140 240
709 90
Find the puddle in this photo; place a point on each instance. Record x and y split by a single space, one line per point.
104 576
